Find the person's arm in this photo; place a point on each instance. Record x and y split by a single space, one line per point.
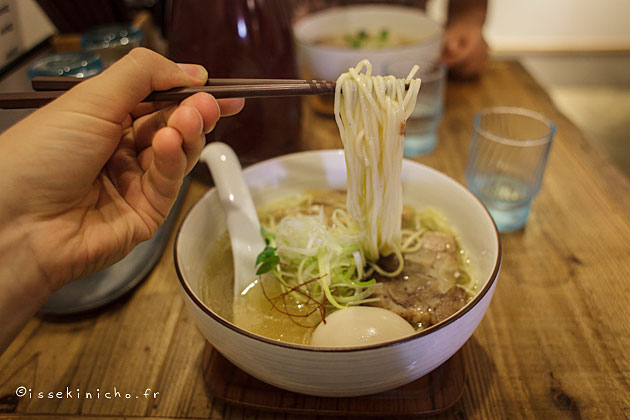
89 176
468 8
465 51
21 292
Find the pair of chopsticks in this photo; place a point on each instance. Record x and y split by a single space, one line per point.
49 88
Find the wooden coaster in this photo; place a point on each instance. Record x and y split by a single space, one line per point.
432 394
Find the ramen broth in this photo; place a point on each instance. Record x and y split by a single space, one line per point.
263 308
364 39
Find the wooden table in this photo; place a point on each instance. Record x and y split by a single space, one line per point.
555 342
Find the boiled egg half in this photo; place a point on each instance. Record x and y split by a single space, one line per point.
360 326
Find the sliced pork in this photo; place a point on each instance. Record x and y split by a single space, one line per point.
425 293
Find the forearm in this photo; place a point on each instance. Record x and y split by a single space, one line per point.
470 9
22 288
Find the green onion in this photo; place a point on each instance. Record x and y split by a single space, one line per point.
304 254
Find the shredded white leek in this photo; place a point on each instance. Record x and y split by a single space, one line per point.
309 249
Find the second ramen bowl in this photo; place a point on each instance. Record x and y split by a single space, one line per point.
321 61
339 372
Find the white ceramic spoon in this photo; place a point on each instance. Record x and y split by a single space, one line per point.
242 220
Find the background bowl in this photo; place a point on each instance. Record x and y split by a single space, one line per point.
349 371
328 62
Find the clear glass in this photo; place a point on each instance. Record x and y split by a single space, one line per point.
422 126
508 154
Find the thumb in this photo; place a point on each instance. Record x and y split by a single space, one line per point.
113 94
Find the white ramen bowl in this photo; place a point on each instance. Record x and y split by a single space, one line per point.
328 62
349 371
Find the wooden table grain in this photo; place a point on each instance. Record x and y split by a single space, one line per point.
555 342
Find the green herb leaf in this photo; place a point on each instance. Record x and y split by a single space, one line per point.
268 258
383 35
265 254
267 236
268 265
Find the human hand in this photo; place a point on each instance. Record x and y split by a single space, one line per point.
95 172
464 51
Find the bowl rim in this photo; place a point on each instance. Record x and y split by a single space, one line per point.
377 51
303 347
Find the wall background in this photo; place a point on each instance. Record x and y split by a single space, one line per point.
515 26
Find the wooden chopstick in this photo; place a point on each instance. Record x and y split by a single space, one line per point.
42 83
257 89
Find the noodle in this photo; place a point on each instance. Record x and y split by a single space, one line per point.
371 112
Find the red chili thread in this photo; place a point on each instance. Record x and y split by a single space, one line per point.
319 306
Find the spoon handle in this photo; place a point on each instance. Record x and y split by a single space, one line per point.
241 216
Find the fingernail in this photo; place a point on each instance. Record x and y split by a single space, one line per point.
214 123
194 70
201 130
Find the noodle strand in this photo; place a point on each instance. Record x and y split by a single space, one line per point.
371 112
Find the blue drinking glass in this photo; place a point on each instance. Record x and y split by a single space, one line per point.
508 154
75 64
